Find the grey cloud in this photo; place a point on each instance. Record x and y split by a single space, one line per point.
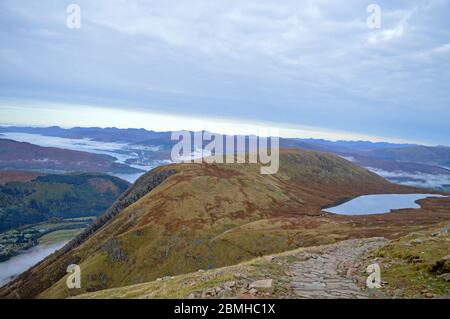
290 61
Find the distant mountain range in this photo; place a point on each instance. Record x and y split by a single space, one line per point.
439 155
110 134
409 164
146 137
351 146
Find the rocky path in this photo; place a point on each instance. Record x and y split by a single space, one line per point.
329 273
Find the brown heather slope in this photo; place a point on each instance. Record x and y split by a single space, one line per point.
18 176
205 216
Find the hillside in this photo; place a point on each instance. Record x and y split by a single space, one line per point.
284 273
397 166
406 164
439 156
18 176
60 196
25 156
329 271
184 217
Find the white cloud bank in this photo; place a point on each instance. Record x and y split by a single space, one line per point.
414 179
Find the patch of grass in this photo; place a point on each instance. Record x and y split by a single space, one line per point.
182 285
410 265
59 236
401 269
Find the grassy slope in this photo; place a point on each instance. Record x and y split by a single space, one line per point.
209 216
59 236
414 264
408 271
182 286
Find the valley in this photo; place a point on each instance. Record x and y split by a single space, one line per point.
29 157
181 218
19 263
56 196
39 210
15 241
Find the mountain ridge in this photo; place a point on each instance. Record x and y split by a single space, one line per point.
209 215
407 164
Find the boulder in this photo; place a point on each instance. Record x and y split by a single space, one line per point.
264 285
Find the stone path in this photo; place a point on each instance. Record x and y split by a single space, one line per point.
329 274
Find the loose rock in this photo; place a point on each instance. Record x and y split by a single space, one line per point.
265 284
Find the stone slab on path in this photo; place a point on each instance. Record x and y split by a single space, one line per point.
329 274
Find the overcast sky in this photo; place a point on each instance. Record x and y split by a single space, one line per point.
312 64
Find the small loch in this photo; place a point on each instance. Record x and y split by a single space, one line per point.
378 204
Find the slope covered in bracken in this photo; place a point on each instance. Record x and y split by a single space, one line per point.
184 217
18 176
